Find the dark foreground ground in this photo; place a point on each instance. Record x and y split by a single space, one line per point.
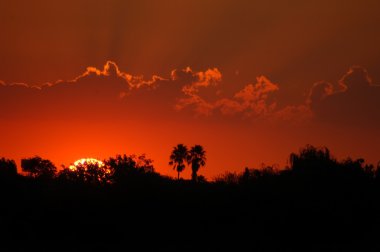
279 213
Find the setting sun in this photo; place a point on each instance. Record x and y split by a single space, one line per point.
86 161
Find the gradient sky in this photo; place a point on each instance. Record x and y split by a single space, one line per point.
251 81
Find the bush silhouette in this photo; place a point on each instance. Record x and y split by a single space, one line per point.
8 168
37 167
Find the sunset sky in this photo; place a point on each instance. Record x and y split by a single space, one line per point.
251 81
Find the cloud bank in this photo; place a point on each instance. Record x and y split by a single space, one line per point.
355 99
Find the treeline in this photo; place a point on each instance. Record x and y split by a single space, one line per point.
113 170
309 163
317 203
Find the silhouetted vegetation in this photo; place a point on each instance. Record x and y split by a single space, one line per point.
38 167
8 168
125 169
86 173
317 203
178 158
197 159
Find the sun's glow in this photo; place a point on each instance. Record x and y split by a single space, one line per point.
84 161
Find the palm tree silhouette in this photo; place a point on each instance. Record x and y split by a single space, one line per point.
197 158
178 157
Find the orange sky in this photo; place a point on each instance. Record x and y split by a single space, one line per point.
251 81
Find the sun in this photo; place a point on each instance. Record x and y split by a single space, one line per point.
84 161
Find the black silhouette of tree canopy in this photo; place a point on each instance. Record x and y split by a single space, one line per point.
197 158
124 167
8 167
311 159
121 166
73 175
95 173
92 173
228 178
178 157
38 168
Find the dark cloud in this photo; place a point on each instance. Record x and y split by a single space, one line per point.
320 91
103 93
196 95
252 101
357 78
93 93
111 93
355 101
255 101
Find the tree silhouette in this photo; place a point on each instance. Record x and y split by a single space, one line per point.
94 173
178 157
197 158
76 175
121 167
355 167
8 168
311 159
91 173
38 167
124 167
